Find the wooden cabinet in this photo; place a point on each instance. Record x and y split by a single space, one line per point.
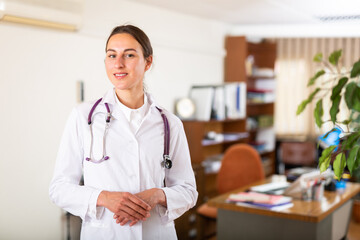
189 226
263 56
201 149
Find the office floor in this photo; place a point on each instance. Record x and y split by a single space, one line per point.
354 230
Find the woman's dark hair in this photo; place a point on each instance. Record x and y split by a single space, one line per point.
138 34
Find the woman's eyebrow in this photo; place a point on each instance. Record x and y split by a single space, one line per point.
129 49
126 50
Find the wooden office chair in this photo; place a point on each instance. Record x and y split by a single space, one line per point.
241 165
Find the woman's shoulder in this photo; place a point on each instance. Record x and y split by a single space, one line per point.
174 122
85 107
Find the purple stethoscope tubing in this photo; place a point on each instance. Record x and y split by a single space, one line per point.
107 124
167 163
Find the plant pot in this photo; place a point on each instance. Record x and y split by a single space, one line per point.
356 210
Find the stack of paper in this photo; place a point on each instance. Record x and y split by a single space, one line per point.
273 202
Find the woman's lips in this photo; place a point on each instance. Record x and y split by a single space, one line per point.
120 75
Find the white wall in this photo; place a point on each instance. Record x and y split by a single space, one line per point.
38 73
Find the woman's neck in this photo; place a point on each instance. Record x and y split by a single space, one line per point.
130 99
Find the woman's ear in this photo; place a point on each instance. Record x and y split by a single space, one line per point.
148 62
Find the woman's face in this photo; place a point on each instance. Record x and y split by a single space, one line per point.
125 63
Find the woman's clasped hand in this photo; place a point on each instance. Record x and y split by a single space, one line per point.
125 206
131 208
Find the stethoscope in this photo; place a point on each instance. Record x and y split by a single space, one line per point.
167 163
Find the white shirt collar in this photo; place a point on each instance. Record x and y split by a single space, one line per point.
127 111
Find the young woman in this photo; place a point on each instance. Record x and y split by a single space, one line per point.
136 182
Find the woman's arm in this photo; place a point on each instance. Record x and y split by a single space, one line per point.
180 189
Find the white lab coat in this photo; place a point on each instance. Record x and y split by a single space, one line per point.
134 166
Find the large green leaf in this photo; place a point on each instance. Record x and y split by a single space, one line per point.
316 76
346 122
339 165
318 57
353 161
334 57
352 96
355 71
318 113
303 104
349 140
335 108
324 160
301 107
337 89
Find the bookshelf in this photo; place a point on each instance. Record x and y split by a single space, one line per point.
200 149
263 56
189 226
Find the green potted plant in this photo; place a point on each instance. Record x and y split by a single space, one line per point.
338 84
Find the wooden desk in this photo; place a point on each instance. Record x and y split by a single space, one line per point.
326 219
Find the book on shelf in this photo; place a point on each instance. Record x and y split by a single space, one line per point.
202 97
260 96
263 72
212 163
265 84
259 122
219 101
224 137
267 136
259 146
235 100
218 106
261 200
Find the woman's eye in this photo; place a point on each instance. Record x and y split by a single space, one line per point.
111 56
130 55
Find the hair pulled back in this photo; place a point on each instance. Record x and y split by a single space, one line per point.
139 36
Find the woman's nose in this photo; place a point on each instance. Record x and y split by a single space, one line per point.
119 62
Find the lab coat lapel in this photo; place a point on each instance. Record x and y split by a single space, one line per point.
116 112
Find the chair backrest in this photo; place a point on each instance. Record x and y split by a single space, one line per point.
241 165
298 153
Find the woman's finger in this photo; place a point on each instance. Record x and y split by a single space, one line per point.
139 202
133 223
124 221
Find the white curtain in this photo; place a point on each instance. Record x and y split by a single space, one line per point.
294 68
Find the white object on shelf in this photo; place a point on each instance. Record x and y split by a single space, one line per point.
267 135
263 72
235 100
203 97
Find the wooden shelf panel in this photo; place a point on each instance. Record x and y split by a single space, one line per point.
254 78
255 130
228 138
263 153
264 54
256 109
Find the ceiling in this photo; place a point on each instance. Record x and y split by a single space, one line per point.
267 11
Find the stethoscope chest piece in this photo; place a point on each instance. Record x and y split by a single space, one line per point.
167 163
